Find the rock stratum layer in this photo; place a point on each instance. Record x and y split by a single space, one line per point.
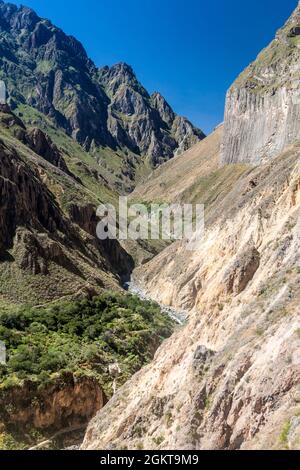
262 113
229 378
69 402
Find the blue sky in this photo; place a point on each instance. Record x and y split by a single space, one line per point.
189 50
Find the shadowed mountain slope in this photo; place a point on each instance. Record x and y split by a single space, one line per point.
106 110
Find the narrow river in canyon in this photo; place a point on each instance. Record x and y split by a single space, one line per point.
178 316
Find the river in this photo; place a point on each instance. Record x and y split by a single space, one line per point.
179 316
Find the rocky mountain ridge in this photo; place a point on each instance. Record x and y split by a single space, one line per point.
230 378
100 108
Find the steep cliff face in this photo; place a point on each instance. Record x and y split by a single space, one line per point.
41 144
25 199
230 378
69 401
145 124
262 113
100 108
48 234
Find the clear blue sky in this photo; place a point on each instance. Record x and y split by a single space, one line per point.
189 50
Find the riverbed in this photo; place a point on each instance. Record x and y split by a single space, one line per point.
179 316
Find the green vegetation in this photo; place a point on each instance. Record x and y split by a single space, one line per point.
45 66
83 337
284 435
8 442
92 190
158 440
207 189
169 419
81 163
44 345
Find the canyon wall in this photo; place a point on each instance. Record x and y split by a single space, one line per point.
230 378
68 401
262 114
48 224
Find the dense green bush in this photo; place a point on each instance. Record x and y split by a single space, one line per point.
84 337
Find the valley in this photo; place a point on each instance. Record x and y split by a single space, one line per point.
145 344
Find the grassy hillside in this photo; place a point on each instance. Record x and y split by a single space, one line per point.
194 177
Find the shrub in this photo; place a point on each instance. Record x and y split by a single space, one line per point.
86 335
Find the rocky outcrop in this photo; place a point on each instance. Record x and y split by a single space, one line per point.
41 144
241 270
165 111
293 433
117 257
24 199
37 252
202 359
262 114
68 402
34 138
146 124
185 134
39 240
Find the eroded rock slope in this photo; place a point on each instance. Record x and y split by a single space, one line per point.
262 113
230 379
48 244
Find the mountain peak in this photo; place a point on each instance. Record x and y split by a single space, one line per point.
160 104
21 17
159 98
123 67
120 71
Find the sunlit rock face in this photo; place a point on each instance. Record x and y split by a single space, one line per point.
262 113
